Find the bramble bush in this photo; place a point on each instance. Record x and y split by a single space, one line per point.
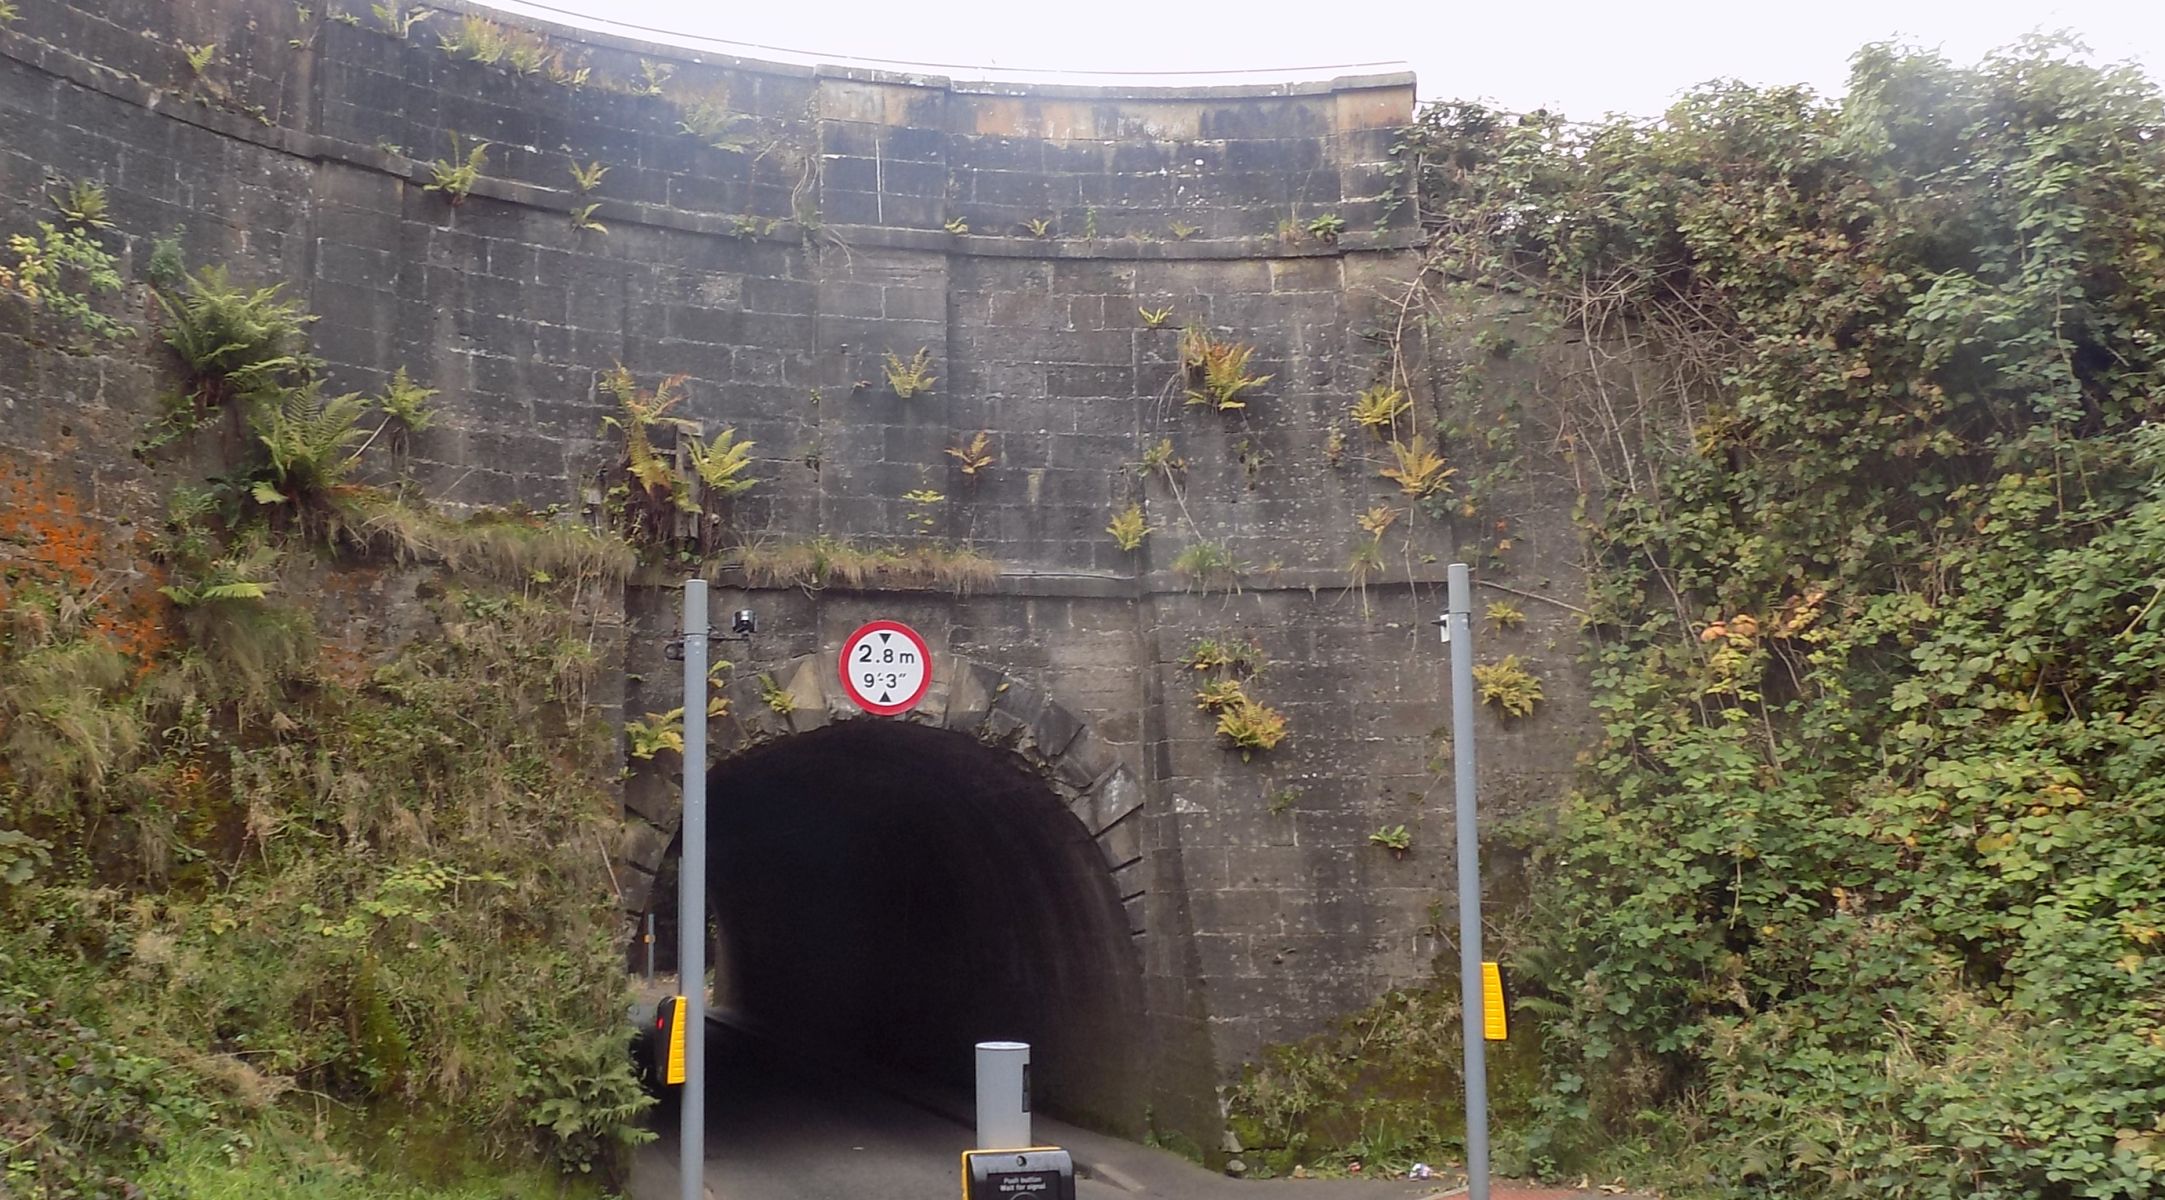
1863 890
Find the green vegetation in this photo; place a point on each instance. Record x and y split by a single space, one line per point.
923 515
776 697
721 465
1393 838
310 447
398 20
753 227
61 272
234 345
650 735
711 121
653 78
670 499
588 177
282 913
1380 407
456 176
1246 723
1861 892
1205 565
1129 528
1366 560
1363 563
1508 685
1161 457
650 490
972 456
907 379
1379 1089
1417 469
480 40
85 204
276 1159
1241 656
1215 372
824 562
1217 695
1505 615
407 405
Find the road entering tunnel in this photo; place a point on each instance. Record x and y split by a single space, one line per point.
888 894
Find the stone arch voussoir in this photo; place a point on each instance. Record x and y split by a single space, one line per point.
1101 792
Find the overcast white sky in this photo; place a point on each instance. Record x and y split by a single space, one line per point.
1585 59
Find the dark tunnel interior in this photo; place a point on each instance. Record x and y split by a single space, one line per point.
892 894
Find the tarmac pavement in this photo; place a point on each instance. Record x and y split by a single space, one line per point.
780 1128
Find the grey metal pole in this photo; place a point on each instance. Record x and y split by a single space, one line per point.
1458 631
692 892
650 946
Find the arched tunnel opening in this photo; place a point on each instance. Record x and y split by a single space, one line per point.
888 894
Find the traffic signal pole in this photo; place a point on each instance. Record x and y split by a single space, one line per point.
1458 631
692 894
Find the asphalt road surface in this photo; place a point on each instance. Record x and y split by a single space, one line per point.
780 1129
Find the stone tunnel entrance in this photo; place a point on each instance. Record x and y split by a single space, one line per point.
890 893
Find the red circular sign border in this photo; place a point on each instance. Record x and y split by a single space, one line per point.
849 688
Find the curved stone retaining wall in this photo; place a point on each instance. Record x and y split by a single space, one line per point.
772 234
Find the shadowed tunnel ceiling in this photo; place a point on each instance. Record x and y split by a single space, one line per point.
897 893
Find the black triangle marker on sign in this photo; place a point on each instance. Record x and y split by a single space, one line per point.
884 635
886 699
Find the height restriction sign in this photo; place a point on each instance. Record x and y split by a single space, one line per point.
885 668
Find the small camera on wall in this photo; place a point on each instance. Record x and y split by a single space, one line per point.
744 622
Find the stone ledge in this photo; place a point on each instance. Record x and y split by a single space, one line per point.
320 147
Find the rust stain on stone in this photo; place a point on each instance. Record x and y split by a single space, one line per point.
48 544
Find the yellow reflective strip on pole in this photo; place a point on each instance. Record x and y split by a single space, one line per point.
1494 1027
675 1070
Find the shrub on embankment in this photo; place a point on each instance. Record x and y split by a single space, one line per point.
1862 889
287 901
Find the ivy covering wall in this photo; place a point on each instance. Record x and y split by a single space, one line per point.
1862 890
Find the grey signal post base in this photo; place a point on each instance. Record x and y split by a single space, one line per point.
1458 634
1003 1095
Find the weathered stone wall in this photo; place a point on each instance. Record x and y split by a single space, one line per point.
775 274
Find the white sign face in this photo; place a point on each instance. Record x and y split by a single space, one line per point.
885 668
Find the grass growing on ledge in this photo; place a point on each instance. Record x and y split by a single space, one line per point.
508 547
824 561
1205 565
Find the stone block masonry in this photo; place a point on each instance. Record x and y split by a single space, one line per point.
774 234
